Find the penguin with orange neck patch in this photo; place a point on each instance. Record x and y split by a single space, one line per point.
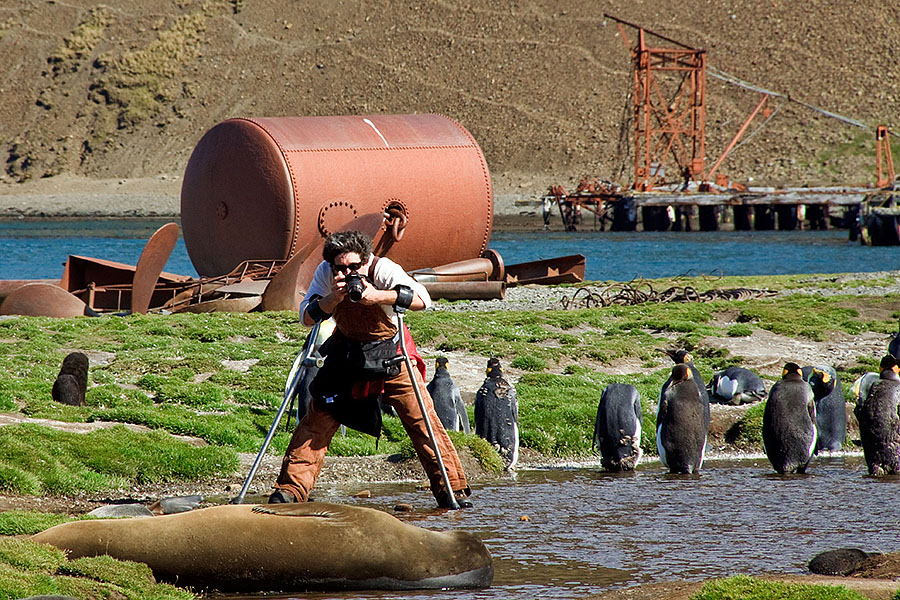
682 423
789 422
879 421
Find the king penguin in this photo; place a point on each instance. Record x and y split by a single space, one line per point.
831 408
879 422
617 429
497 414
683 357
448 402
789 422
736 386
682 423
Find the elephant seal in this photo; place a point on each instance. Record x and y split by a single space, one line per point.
840 562
617 428
789 422
286 548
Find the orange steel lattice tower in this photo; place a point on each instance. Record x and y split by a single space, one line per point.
669 110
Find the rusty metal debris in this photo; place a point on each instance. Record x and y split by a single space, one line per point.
640 291
42 300
150 265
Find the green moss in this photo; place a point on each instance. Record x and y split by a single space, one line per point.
40 460
30 569
746 433
751 588
25 522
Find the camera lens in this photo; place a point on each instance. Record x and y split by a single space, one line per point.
355 287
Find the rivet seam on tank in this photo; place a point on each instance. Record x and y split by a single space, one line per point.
487 177
295 235
323 229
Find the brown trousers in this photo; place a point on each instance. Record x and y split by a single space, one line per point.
305 454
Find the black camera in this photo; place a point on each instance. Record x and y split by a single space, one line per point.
355 287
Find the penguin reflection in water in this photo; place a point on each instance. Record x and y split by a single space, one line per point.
448 402
682 423
617 429
879 421
789 422
497 414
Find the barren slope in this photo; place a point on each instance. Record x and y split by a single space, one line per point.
124 89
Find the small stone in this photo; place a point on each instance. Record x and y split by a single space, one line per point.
403 507
363 494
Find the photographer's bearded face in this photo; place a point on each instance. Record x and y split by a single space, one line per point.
346 263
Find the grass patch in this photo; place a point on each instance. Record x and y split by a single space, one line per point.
751 588
30 569
27 522
38 460
171 373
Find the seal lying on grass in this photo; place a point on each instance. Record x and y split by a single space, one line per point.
289 547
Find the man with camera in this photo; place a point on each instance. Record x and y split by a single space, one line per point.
361 292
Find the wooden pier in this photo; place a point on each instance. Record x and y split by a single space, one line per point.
750 209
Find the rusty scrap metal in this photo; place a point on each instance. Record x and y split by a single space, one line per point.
551 271
466 290
42 300
640 291
150 265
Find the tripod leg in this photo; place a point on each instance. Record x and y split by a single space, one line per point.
293 380
437 451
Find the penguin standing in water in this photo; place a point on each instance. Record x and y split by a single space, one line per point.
736 386
682 423
448 402
879 421
789 422
617 429
497 414
831 409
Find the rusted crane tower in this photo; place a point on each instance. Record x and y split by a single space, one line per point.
669 99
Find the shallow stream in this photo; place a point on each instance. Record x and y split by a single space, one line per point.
589 532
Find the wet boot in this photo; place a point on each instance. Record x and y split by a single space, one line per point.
462 499
281 497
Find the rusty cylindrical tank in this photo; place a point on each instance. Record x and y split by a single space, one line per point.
266 188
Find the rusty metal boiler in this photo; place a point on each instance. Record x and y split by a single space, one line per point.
272 188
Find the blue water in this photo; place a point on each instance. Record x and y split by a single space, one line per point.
38 250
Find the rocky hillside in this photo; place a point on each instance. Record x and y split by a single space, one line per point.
125 89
